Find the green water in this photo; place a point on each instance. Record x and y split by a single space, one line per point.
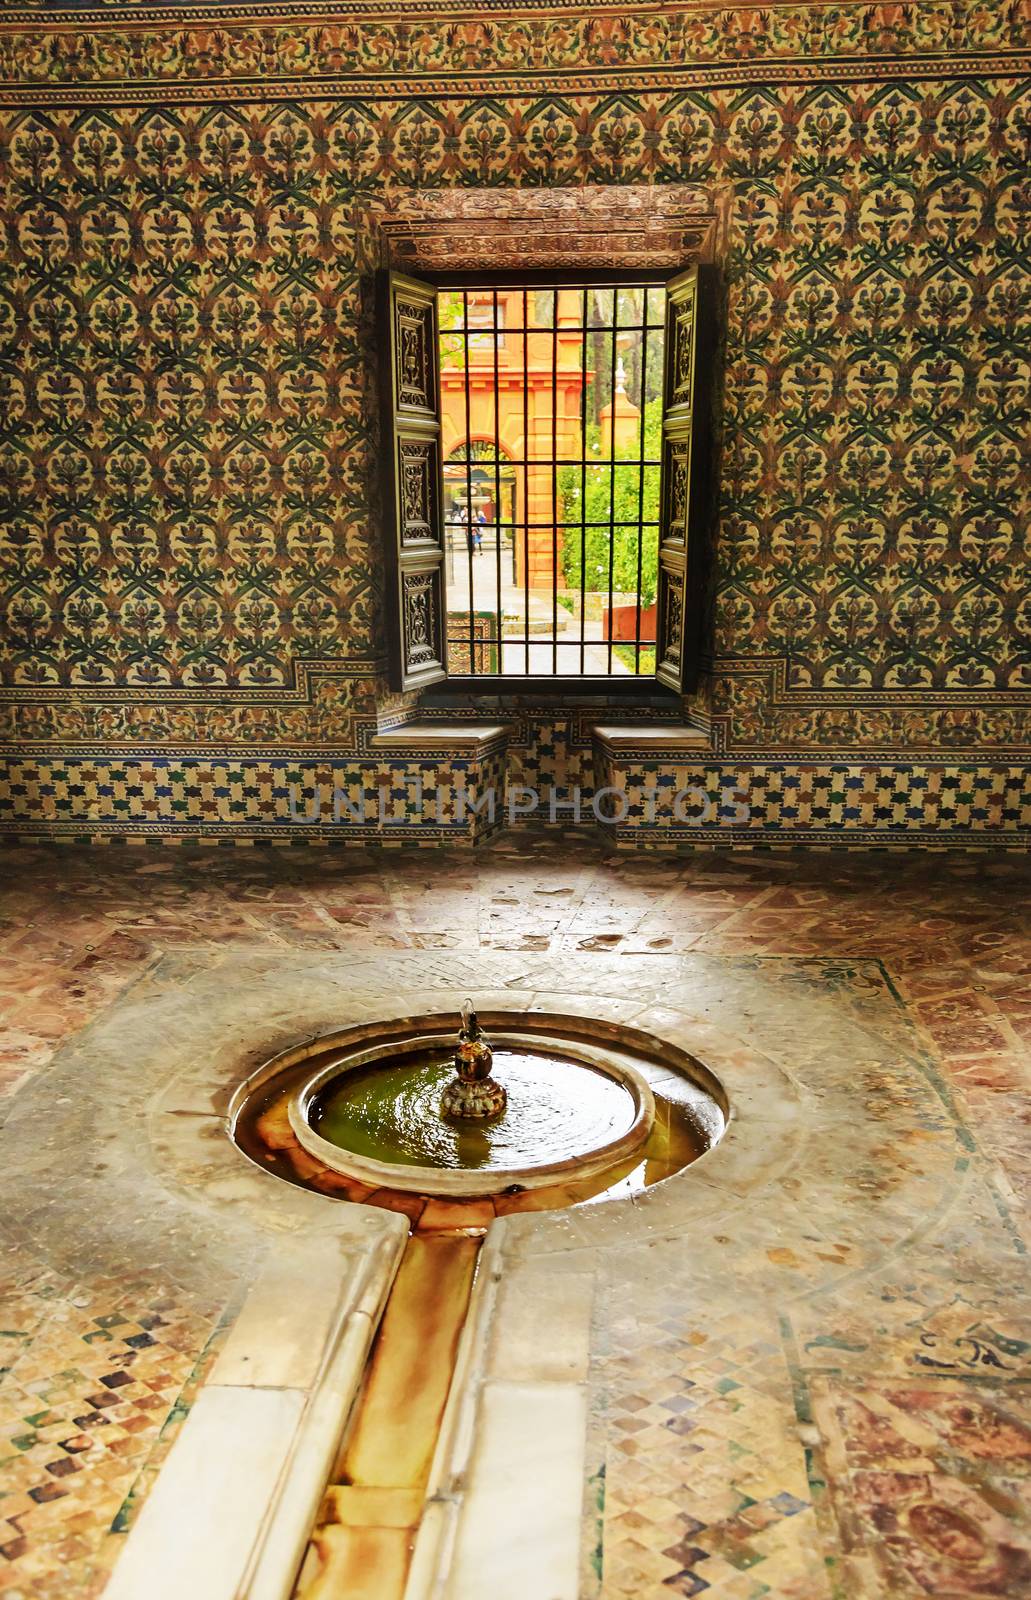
557 1108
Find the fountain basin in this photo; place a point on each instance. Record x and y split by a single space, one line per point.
573 1110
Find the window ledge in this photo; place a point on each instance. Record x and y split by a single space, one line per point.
463 739
650 738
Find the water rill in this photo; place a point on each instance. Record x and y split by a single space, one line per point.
366 1526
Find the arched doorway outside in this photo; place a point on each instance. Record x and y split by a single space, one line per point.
480 507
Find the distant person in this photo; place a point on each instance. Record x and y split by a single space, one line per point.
460 519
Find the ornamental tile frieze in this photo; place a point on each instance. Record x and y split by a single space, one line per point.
330 722
357 42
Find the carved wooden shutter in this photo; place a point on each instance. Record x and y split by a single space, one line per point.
412 484
687 442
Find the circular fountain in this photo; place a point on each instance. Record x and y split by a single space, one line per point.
425 1114
558 1107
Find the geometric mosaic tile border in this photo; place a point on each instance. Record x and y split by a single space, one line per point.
865 801
421 801
351 799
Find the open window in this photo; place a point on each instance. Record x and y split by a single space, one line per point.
547 476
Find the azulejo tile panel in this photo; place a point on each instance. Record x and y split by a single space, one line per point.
190 560
857 801
357 800
187 452
353 801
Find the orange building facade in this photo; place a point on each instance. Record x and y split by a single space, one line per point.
526 398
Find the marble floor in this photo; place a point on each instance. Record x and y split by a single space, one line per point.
814 1390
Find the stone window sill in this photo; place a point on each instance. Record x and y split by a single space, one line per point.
463 740
649 739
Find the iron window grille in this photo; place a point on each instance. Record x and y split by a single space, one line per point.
547 484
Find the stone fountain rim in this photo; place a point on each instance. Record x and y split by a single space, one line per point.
611 1062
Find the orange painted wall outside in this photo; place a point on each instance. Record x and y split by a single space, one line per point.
534 422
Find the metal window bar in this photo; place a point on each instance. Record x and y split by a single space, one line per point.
640 486
612 480
497 480
526 491
554 480
532 468
583 483
469 479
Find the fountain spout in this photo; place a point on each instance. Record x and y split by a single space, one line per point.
472 1094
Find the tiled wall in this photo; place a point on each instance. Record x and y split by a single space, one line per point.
851 803
189 557
348 801
409 801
